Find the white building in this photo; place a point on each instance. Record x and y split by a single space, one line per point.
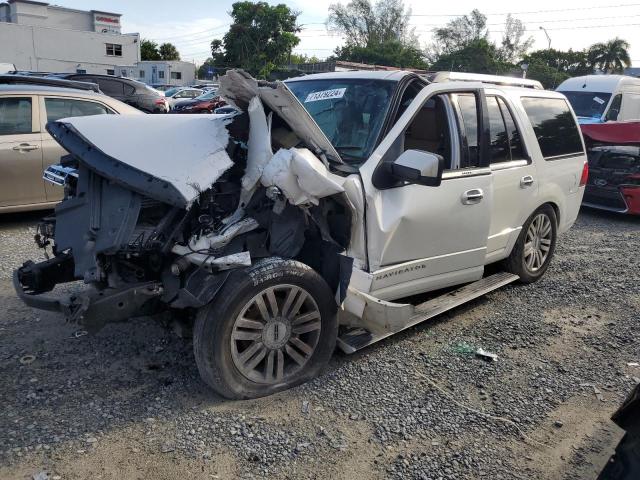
48 38
160 72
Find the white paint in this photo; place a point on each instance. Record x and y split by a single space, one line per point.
301 177
187 151
259 144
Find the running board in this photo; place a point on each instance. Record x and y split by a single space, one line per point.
356 338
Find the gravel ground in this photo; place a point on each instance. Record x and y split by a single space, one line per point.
128 403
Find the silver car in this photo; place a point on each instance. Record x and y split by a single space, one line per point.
26 149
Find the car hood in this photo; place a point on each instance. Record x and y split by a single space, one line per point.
238 88
170 158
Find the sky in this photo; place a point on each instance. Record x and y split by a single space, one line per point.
192 24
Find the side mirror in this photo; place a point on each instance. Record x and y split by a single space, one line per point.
416 166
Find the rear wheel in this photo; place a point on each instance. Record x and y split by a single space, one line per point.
535 246
272 326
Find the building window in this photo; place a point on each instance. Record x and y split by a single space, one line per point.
176 75
141 73
80 70
111 71
161 74
123 73
114 50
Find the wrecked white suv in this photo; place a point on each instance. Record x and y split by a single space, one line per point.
303 220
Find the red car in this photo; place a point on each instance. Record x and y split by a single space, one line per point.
614 166
205 103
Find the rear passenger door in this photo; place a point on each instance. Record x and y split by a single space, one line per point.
20 151
515 185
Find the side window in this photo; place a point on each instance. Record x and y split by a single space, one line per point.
468 107
58 108
109 87
499 146
15 116
554 126
614 109
129 89
515 140
429 130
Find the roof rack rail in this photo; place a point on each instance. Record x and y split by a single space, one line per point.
10 79
437 77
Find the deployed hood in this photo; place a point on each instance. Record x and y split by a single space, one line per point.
171 158
238 88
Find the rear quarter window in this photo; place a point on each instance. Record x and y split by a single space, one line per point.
555 128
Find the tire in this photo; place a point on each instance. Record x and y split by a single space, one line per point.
521 262
239 329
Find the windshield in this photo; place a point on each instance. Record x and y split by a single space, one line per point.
171 91
349 112
206 96
588 104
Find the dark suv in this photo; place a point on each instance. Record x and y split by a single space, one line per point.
132 92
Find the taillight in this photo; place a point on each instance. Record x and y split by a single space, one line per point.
585 174
160 101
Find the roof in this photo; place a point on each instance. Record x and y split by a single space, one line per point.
597 83
394 75
484 78
21 88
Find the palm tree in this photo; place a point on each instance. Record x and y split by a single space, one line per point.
611 56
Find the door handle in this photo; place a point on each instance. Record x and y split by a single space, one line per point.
471 197
25 147
526 181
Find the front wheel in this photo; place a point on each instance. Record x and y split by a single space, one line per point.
273 326
535 245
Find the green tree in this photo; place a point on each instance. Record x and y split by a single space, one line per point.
549 76
610 57
569 62
168 51
378 34
476 56
260 37
149 50
459 33
297 59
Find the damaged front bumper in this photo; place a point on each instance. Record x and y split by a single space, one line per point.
89 307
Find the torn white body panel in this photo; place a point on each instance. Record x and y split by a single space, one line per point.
221 239
301 177
258 146
188 151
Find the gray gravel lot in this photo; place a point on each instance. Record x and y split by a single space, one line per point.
128 402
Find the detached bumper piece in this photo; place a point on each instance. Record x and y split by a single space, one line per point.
91 308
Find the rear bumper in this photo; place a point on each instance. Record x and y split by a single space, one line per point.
620 200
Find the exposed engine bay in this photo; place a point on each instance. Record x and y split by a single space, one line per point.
160 210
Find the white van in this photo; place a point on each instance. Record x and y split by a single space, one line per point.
603 98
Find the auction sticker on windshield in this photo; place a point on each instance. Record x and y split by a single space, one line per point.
325 95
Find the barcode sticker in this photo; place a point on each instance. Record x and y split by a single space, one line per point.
325 95
599 100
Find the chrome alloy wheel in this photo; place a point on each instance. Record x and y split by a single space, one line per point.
275 334
538 242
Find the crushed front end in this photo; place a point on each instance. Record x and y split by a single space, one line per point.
159 210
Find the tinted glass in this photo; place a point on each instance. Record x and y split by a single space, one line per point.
554 126
129 89
469 112
58 108
349 112
499 146
614 109
108 87
588 104
15 116
515 141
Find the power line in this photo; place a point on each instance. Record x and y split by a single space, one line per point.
532 12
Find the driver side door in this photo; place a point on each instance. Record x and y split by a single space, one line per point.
423 238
